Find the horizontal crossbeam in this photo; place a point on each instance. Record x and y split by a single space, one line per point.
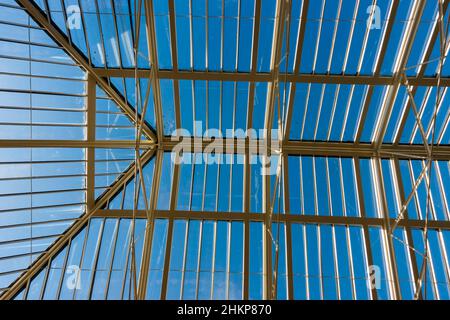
283 218
268 77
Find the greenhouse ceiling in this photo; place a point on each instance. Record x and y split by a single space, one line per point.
224 149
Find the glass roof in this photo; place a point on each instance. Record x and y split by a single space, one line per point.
95 96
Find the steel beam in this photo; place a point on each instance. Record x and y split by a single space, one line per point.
172 206
412 254
288 226
298 60
332 149
247 172
151 35
273 91
90 152
259 217
388 246
375 80
147 246
110 144
362 208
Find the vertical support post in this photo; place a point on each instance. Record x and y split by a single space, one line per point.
90 168
404 51
172 206
290 274
268 121
388 245
151 34
362 209
267 242
409 239
246 222
298 59
143 276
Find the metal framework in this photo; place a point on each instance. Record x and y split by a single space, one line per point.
154 148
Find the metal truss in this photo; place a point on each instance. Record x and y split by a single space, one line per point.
158 144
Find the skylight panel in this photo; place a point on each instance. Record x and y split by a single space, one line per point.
126 39
432 63
46 204
112 54
29 110
429 289
410 171
318 104
266 30
103 275
167 168
109 165
214 108
312 36
259 108
215 37
366 38
325 36
56 13
157 260
214 89
111 123
186 106
402 19
377 100
163 34
256 263
422 97
400 105
311 242
223 275
168 106
423 37
438 265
